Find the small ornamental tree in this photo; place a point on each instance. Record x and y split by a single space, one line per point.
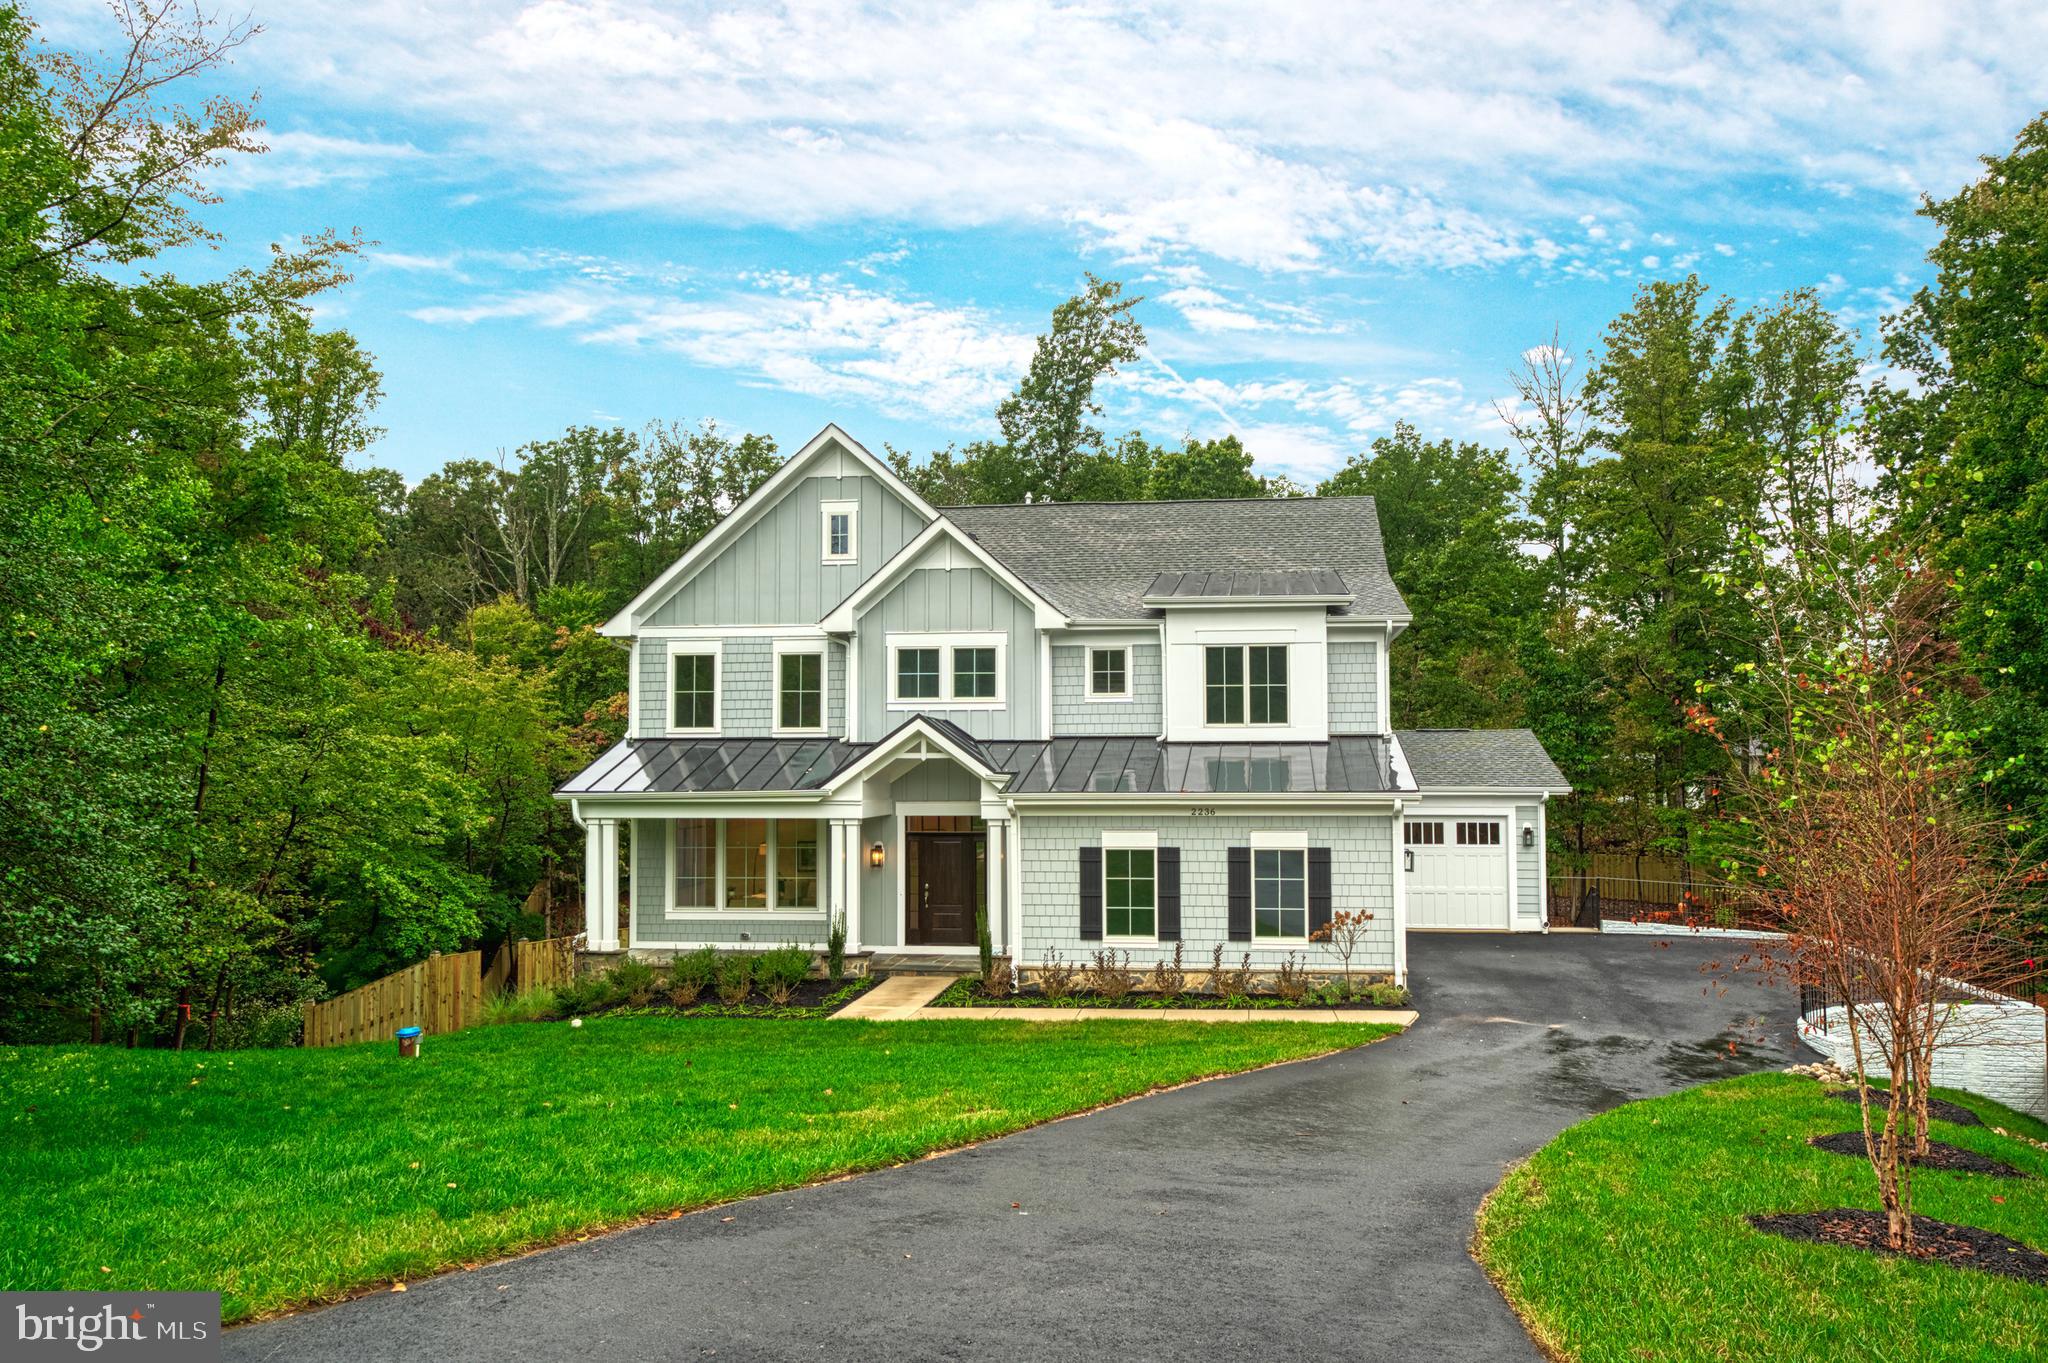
1343 935
1860 830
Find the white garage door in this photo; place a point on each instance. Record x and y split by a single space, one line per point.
1460 873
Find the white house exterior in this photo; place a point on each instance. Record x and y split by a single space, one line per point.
1118 725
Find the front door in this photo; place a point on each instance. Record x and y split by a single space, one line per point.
939 877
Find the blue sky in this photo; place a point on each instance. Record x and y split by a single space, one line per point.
1341 216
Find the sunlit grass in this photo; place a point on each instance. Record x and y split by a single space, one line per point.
1624 1238
282 1177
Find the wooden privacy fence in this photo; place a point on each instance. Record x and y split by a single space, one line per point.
499 973
440 994
550 962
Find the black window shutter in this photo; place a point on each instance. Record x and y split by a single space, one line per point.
1168 866
1091 894
1318 889
1240 859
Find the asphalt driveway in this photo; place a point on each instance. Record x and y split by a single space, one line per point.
1311 1211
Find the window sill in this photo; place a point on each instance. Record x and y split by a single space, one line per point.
800 733
850 561
675 915
940 703
1124 699
692 733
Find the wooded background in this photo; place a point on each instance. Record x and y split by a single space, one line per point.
274 723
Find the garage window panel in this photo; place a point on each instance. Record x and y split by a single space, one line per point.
1421 834
1478 833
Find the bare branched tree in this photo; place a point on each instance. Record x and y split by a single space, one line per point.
1864 836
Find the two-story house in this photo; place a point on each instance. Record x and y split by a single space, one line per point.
1115 725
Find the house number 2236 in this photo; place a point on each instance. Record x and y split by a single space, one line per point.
1200 811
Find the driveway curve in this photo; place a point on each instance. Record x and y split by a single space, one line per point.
1310 1211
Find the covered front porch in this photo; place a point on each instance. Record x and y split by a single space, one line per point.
905 847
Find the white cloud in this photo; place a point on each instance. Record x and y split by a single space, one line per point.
306 160
1309 138
815 335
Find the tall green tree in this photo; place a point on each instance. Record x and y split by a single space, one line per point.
1964 445
1048 421
1449 516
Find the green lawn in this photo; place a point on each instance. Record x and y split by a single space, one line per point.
282 1177
1623 1238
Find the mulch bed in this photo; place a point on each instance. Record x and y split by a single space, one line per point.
1937 1109
1933 1241
1940 1155
967 995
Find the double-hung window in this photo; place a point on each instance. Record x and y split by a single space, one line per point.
1280 893
692 689
1244 684
938 671
745 866
1130 892
840 525
800 691
1109 674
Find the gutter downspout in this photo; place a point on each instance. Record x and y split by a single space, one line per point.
1400 894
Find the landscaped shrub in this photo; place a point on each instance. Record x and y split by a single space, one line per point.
528 1005
983 941
1234 983
1386 995
690 974
1109 977
633 982
584 994
1000 978
780 971
735 977
1290 981
1170 978
835 950
1056 976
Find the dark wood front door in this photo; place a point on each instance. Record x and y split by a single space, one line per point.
941 882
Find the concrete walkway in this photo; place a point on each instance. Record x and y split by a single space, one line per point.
896 999
1310 1211
1400 1017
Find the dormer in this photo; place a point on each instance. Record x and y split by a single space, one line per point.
1247 652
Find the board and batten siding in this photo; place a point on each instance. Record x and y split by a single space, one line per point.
1528 867
653 928
878 883
1361 879
1073 713
1355 688
772 574
952 601
747 685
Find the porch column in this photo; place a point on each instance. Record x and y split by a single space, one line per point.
601 884
998 911
848 867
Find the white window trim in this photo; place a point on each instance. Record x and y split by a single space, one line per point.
1088 690
826 511
946 643
706 648
1245 687
1279 841
1130 840
672 911
783 648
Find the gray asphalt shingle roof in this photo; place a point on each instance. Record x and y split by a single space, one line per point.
1479 759
1095 560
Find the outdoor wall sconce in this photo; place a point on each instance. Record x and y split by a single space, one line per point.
1528 835
875 855
1407 858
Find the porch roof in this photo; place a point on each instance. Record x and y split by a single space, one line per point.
1106 766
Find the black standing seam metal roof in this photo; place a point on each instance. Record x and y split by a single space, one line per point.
1115 765
1271 583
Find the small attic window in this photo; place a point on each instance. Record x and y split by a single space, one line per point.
840 524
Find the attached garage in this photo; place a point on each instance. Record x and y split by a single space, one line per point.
1473 839
1457 873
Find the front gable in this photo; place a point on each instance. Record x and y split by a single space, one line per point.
767 563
